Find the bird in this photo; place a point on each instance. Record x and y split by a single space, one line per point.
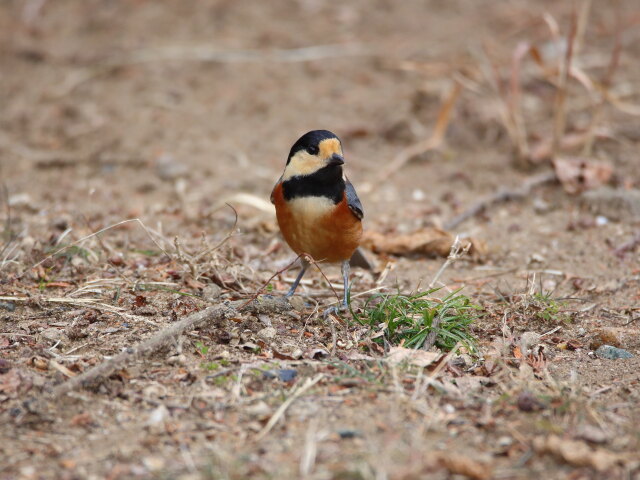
318 210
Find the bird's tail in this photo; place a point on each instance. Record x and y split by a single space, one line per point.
359 259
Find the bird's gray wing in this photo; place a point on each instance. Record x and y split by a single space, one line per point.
352 200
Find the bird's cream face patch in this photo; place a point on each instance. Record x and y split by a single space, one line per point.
303 163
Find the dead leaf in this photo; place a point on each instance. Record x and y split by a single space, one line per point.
579 174
577 453
10 382
418 358
81 420
460 464
68 463
140 301
427 241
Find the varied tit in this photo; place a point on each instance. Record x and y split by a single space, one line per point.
318 210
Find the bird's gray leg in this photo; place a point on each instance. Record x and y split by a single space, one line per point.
345 302
345 279
292 290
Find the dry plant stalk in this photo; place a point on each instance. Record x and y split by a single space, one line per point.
457 251
502 196
559 120
310 382
151 345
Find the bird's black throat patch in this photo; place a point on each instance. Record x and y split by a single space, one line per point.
326 182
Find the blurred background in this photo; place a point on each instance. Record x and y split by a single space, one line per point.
167 110
106 105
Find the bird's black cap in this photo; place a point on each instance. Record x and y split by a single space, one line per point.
310 141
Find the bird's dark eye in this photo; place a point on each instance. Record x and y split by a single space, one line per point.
313 150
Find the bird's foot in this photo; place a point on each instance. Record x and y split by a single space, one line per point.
335 310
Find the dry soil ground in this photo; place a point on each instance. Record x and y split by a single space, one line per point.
165 110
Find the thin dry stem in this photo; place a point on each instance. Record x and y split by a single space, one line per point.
561 93
502 196
77 242
309 382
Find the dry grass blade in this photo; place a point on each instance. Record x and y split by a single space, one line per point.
457 251
310 382
514 101
151 345
77 242
502 196
144 348
614 61
559 120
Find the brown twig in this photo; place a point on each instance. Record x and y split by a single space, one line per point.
501 196
7 227
628 245
151 345
561 93
310 382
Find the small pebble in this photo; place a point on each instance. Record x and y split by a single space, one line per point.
268 333
527 402
505 441
612 353
211 293
8 306
284 374
346 433
540 205
448 408
52 334
592 434
297 303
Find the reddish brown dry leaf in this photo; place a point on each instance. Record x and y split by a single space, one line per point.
577 453
194 284
140 301
57 285
579 174
81 420
10 382
460 464
427 241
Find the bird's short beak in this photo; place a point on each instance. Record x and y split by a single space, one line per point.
336 159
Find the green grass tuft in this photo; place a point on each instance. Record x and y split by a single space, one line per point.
410 318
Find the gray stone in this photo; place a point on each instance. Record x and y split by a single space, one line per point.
268 333
615 204
612 353
52 334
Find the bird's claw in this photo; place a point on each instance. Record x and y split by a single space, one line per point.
335 310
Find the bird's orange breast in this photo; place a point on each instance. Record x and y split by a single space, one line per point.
315 225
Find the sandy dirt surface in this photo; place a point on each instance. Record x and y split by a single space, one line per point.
167 111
